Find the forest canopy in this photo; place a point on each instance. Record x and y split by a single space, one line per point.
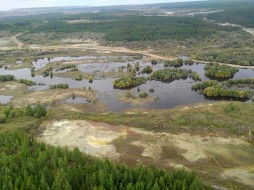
27 164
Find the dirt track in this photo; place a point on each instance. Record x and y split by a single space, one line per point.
19 44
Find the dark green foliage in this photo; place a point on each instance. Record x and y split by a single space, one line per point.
46 73
154 62
174 63
169 75
204 85
147 70
26 164
234 52
2 118
4 78
249 81
242 16
137 66
129 82
140 28
9 112
143 95
151 90
62 86
62 68
27 82
219 71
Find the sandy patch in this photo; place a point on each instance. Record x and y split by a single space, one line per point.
90 138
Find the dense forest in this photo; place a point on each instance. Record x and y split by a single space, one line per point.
9 112
140 28
26 164
242 16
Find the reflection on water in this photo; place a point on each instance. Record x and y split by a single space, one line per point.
5 99
42 62
168 95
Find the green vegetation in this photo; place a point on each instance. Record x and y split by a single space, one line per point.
62 86
246 82
219 71
143 95
90 78
205 84
154 62
9 112
23 167
129 82
174 63
170 75
139 28
147 70
46 73
137 66
62 68
242 16
197 120
5 78
27 82
215 89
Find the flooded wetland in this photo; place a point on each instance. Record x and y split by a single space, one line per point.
162 96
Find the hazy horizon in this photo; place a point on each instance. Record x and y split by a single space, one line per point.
16 4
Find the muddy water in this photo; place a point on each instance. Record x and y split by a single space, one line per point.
222 161
165 95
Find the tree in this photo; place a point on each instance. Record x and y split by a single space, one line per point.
61 182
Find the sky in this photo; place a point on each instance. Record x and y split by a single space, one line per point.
13 4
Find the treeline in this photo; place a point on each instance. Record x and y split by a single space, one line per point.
141 28
171 74
61 86
236 55
129 82
241 16
10 112
216 70
27 164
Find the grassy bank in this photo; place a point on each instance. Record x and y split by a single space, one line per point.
225 118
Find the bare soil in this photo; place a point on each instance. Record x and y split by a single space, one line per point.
222 161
